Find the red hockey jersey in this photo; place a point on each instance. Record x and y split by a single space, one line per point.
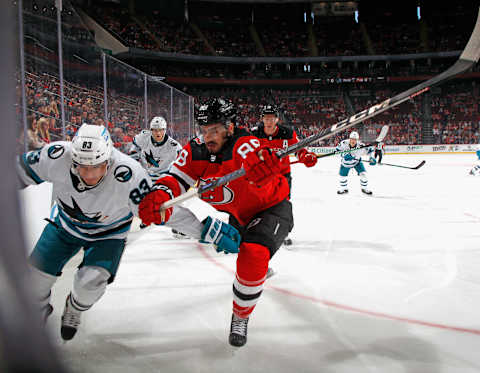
238 198
281 139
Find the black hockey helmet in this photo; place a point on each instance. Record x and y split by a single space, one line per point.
216 110
270 109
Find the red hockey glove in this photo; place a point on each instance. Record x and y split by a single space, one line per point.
309 159
149 208
262 165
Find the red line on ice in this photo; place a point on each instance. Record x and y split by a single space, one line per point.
345 307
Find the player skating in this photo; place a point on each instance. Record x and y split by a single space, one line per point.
276 137
156 151
258 203
97 190
476 169
379 151
353 159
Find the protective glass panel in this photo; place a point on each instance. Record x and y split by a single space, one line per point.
159 101
181 124
82 75
41 71
125 102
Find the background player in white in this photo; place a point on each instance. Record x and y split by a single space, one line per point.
156 151
476 169
97 190
353 159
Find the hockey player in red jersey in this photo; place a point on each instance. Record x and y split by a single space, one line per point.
277 137
257 203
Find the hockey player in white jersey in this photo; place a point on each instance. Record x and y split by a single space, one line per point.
156 151
475 171
97 190
353 159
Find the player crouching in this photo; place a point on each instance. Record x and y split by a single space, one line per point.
353 159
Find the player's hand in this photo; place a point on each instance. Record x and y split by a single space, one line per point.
261 166
309 159
225 237
149 209
372 161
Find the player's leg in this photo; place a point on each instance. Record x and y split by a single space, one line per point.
360 168
260 240
98 268
343 188
52 251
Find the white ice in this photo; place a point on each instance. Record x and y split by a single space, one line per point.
388 283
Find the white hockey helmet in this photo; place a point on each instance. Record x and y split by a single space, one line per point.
91 145
354 135
158 123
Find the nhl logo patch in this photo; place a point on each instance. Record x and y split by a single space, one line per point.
123 173
55 151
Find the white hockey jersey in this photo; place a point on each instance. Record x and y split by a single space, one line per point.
351 159
103 212
156 157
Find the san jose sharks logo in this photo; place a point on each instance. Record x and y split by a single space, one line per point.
76 213
151 159
123 173
55 151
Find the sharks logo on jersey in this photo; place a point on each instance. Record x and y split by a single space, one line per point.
55 151
76 213
151 159
123 173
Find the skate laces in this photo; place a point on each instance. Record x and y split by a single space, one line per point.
71 316
239 326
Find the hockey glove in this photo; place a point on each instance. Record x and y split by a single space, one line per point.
372 161
149 209
261 166
309 159
225 237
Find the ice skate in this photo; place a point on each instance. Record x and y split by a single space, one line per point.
70 320
367 191
287 241
238 331
342 191
178 235
271 272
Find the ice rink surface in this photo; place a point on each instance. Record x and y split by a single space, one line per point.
387 283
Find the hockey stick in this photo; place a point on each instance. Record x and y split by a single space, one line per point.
468 58
397 165
380 138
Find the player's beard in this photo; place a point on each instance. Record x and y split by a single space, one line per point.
215 147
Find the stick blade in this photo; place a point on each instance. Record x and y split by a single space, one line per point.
383 133
420 165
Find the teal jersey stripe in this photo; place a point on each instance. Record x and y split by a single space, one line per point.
122 228
92 225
